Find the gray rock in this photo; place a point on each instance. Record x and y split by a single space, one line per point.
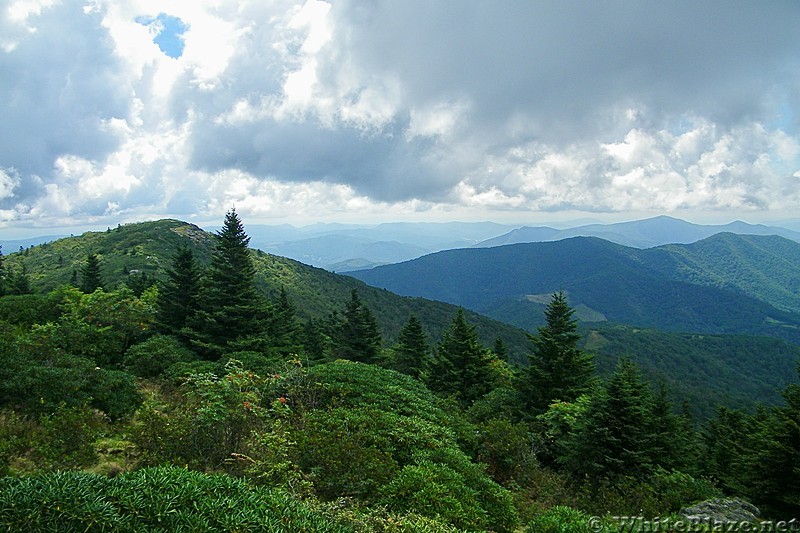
721 511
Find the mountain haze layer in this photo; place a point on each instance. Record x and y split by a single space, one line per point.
645 233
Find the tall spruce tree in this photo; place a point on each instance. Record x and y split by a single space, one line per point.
411 353
178 295
284 330
358 336
774 459
231 309
461 367
91 277
617 437
558 369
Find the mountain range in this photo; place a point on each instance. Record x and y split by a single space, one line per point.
726 283
717 320
645 233
342 248
348 247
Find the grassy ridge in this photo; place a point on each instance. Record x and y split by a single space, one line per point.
150 246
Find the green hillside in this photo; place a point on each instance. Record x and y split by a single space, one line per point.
708 371
148 247
764 267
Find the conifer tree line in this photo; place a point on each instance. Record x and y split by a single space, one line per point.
13 281
552 426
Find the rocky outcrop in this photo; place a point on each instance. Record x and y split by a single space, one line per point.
721 511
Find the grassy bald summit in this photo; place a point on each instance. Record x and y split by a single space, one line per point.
149 247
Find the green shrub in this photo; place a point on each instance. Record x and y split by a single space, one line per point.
154 356
562 519
66 438
437 491
676 490
16 433
154 499
114 392
180 371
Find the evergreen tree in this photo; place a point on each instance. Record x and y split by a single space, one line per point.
500 349
178 295
139 282
558 369
91 279
773 459
20 282
674 440
315 342
284 330
231 307
728 443
461 366
358 336
616 439
411 353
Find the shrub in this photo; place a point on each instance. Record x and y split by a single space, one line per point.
154 356
562 519
437 491
66 438
151 499
676 490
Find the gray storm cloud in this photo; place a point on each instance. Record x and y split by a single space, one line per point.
60 85
555 73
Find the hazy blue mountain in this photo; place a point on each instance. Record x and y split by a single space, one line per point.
766 267
645 233
14 245
335 252
341 247
610 282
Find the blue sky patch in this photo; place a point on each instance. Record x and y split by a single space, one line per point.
168 33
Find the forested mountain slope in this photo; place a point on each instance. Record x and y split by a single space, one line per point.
149 247
725 284
707 371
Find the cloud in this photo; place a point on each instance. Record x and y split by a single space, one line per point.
304 108
61 83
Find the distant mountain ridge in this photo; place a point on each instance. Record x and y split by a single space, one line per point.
725 284
343 247
645 233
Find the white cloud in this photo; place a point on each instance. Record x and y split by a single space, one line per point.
312 108
9 180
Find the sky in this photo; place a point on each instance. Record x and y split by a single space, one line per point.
115 111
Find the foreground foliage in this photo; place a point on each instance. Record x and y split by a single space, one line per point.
151 499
